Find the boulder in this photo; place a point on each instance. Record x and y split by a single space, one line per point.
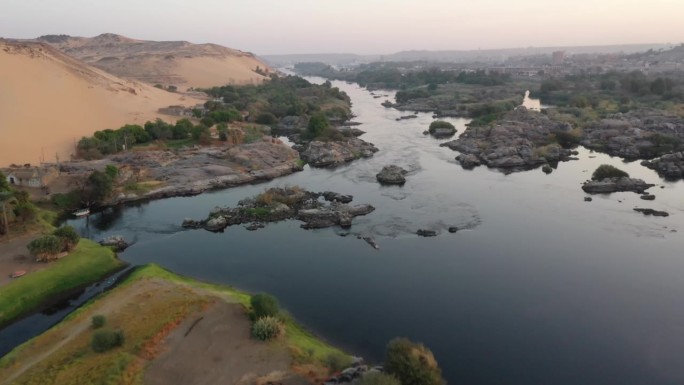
655 213
547 169
426 233
335 153
468 161
116 242
392 175
331 196
648 197
217 223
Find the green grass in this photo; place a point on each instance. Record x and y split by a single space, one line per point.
89 262
178 143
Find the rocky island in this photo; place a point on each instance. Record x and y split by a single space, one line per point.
278 204
522 140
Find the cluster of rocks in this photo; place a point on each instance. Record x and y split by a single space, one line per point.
335 153
611 185
392 175
116 242
637 134
407 117
353 375
278 204
519 141
669 166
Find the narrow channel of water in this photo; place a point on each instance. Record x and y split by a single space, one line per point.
539 287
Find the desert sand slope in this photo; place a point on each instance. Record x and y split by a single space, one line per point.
178 63
49 100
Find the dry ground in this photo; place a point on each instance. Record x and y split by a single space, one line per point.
14 256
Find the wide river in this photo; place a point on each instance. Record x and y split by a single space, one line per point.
539 287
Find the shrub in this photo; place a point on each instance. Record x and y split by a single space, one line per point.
264 305
68 236
98 321
45 247
266 328
440 124
104 340
607 171
266 118
26 211
336 361
379 379
412 363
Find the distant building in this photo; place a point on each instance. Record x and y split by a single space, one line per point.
30 176
558 57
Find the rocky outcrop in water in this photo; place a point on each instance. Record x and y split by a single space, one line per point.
392 175
670 166
640 134
655 213
519 141
611 185
335 153
278 204
116 242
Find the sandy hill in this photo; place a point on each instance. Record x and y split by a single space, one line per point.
178 63
49 100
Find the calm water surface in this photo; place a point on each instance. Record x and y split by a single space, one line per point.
539 287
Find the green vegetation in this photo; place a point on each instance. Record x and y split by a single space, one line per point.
17 213
437 124
379 379
104 340
68 236
277 98
264 305
607 171
45 248
87 263
266 328
412 363
98 321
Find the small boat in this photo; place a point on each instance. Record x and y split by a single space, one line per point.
18 273
81 212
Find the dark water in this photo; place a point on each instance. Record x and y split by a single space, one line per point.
539 288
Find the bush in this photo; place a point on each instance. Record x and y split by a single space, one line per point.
266 328
264 305
336 361
68 236
98 321
379 379
607 171
266 118
45 247
437 124
104 340
412 363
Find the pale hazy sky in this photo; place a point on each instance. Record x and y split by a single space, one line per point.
356 26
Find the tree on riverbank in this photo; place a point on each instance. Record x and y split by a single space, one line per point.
412 363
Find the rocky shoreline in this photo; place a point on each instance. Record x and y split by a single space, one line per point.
335 153
611 185
279 204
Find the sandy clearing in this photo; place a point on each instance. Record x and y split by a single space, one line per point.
14 256
219 350
48 101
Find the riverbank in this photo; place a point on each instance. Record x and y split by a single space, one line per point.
87 263
163 332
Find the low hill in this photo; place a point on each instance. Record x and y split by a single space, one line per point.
49 100
177 63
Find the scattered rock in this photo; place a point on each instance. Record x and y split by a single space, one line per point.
116 242
331 196
468 161
255 226
392 174
426 233
588 199
216 224
669 166
371 242
547 169
453 229
611 185
648 197
387 104
414 116
655 213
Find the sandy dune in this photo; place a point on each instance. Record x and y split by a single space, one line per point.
178 63
49 100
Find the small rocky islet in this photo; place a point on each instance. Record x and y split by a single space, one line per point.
279 204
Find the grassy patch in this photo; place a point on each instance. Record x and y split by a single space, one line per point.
141 188
179 143
88 263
